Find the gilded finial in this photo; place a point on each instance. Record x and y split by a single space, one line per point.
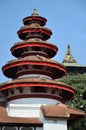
68 57
34 13
68 50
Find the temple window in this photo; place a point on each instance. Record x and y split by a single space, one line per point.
9 128
27 128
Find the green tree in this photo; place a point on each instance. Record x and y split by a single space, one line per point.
78 82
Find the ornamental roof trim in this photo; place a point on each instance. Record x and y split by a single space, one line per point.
74 65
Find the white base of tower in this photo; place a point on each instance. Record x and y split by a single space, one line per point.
28 107
23 110
55 124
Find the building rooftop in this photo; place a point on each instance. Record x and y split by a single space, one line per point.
48 111
71 64
4 118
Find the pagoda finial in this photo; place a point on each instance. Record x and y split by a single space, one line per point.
34 12
68 57
68 50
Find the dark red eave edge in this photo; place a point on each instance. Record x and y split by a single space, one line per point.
7 66
34 44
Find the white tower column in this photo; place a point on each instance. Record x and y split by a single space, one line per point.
55 124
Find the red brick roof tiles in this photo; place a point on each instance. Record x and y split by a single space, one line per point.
49 111
61 110
37 58
35 40
4 118
37 79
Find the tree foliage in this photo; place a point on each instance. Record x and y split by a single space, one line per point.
78 82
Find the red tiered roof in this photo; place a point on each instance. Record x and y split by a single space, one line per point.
34 44
53 68
33 31
33 57
46 84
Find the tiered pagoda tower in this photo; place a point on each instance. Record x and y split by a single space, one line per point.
33 98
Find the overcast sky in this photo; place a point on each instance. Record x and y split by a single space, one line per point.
66 19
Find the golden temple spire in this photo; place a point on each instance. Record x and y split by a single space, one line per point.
68 57
34 13
68 50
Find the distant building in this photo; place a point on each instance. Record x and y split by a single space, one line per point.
71 64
